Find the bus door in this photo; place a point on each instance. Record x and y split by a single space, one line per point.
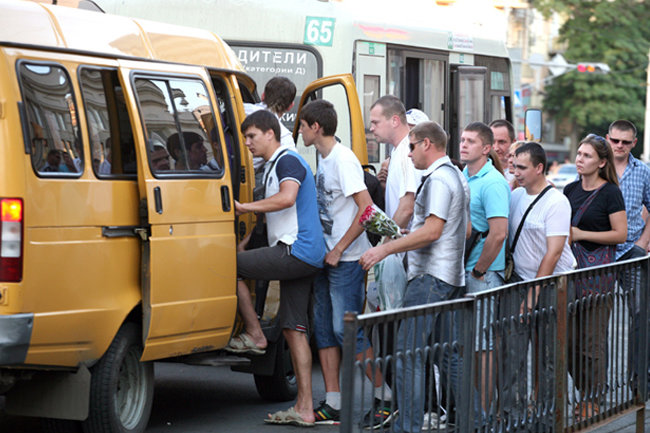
186 209
468 101
370 75
340 90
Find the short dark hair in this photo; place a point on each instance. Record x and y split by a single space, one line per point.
320 111
503 122
391 106
484 132
535 152
622 125
262 120
279 93
432 131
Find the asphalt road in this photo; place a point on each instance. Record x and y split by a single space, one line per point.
193 399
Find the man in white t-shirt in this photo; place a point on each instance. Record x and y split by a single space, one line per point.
340 286
388 123
542 249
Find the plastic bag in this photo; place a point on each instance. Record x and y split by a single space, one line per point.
391 282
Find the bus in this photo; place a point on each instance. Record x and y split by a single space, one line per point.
439 59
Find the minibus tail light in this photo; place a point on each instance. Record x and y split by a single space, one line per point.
11 239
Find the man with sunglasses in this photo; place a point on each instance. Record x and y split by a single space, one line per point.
634 181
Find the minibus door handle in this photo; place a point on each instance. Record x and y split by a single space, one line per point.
157 198
225 198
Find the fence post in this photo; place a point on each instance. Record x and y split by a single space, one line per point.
560 369
347 373
465 405
642 374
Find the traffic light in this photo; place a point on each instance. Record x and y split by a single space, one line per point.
593 68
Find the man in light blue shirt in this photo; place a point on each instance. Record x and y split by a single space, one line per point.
634 181
489 210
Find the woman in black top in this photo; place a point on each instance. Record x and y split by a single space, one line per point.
598 223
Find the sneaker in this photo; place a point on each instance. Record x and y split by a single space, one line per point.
378 416
432 421
325 414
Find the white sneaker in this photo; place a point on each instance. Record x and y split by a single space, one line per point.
432 421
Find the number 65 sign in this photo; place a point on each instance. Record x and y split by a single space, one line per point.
319 31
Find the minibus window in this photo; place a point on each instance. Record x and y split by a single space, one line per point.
56 149
230 129
111 137
182 135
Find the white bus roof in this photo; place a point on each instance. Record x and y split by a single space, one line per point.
467 27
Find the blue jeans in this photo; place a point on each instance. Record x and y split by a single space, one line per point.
628 279
337 290
412 339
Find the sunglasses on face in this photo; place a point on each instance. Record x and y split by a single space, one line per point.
618 140
412 145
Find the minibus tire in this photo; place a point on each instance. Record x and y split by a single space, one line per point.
121 387
281 385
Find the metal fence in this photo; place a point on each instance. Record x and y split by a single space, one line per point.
554 354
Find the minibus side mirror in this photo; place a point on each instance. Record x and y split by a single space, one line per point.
533 122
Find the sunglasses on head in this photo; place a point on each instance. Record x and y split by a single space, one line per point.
596 137
618 140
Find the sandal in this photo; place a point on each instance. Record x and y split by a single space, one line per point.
242 344
288 417
585 410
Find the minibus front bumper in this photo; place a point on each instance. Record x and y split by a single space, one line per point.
15 335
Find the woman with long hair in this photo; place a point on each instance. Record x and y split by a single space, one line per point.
598 223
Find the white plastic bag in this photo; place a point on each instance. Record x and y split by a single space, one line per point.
391 282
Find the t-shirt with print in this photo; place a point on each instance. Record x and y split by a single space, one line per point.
551 216
490 198
338 177
401 177
297 225
445 194
609 200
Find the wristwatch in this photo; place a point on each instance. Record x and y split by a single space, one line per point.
477 274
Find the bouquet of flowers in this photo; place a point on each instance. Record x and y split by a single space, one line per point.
376 221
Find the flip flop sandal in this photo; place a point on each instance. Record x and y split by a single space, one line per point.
243 344
288 417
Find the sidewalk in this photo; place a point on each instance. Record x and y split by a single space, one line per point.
626 424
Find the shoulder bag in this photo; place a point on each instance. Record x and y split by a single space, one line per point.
509 274
585 258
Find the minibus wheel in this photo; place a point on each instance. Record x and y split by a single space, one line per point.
281 385
121 387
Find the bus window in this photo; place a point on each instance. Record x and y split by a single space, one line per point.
182 135
418 79
300 64
498 107
55 147
111 138
370 95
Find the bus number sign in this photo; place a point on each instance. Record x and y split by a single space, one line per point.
319 31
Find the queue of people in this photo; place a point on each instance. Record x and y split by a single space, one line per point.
315 239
